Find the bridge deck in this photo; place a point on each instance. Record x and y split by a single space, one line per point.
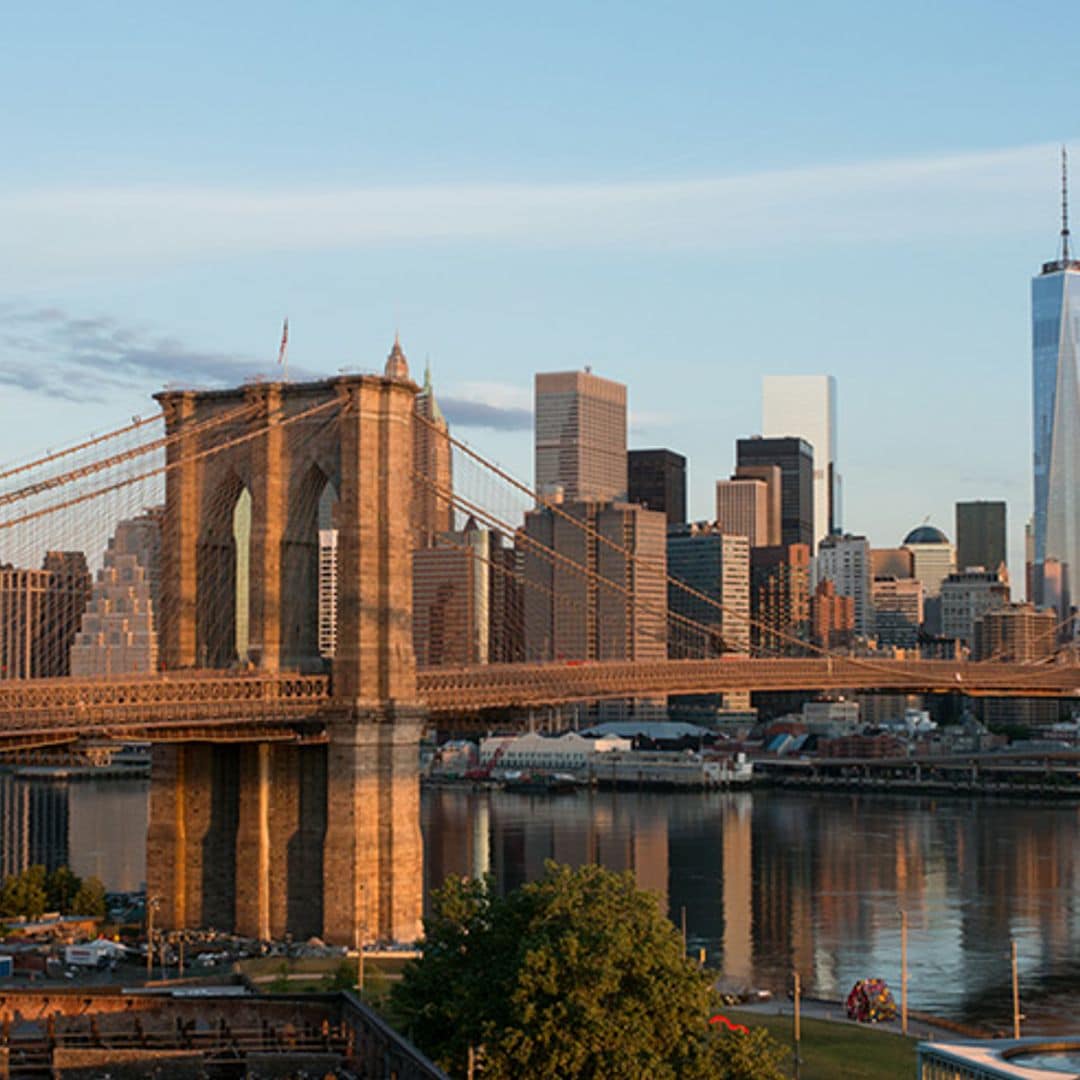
532 685
215 704
50 711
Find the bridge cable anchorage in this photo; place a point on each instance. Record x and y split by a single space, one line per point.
800 644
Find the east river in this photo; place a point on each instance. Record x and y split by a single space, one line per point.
769 881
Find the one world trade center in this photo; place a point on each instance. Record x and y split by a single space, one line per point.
1055 318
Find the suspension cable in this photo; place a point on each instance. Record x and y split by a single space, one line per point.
169 466
138 422
102 464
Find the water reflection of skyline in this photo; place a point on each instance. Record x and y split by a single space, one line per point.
770 881
95 827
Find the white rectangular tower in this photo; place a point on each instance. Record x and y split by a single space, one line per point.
805 405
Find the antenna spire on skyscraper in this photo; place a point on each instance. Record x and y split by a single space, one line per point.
1064 204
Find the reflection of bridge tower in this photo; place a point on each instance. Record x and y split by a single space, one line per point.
738 889
33 825
276 838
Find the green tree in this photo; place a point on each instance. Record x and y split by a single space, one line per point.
576 975
343 977
24 894
61 886
90 898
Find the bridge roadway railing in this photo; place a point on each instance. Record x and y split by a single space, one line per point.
41 711
66 708
534 685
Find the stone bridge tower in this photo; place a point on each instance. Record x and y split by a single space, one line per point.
274 838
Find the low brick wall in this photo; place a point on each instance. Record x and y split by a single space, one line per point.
89 1033
126 1064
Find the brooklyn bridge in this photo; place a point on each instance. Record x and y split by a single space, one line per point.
285 793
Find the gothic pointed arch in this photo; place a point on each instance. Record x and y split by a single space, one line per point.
300 571
221 573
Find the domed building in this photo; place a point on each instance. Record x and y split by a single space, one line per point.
933 557
925 534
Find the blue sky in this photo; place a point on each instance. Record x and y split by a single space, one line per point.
685 196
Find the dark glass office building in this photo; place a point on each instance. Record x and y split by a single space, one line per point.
658 482
795 457
980 534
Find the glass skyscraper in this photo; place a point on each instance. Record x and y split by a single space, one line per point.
1055 326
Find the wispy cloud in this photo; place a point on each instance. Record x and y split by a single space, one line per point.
51 351
868 201
480 414
642 421
497 406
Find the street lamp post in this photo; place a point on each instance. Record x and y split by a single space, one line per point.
903 972
797 994
152 904
1015 992
360 929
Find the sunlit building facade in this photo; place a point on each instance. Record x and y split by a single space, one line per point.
581 436
933 557
570 614
40 613
433 461
967 595
780 599
328 580
898 611
117 635
742 509
845 561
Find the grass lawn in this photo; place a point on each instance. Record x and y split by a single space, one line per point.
273 974
839 1051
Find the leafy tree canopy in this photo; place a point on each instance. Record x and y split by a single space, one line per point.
576 975
25 894
33 892
61 886
89 898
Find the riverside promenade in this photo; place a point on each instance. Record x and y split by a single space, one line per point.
920 1025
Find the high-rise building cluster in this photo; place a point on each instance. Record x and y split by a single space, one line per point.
608 563
613 567
60 620
40 612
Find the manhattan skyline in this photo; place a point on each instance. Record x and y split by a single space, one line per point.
360 172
